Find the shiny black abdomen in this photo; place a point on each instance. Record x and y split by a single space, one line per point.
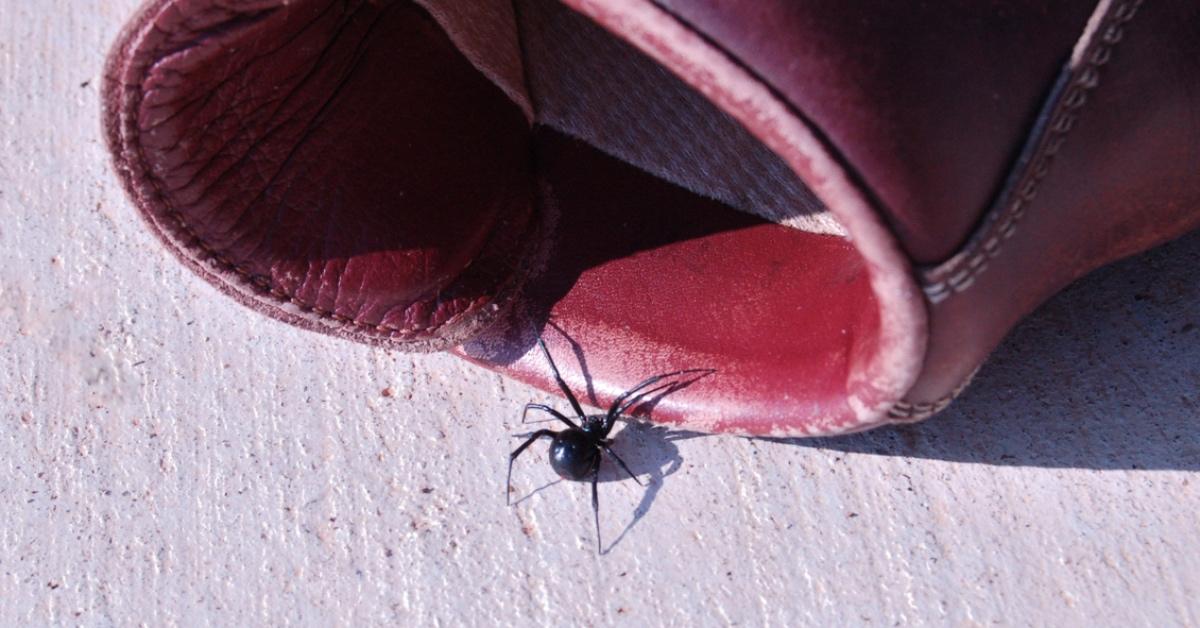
574 454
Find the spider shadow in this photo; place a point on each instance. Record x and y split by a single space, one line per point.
577 351
650 452
531 494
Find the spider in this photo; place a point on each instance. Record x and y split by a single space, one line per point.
575 452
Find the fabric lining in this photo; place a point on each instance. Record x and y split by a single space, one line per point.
577 78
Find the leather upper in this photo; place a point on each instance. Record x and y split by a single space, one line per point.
926 103
839 207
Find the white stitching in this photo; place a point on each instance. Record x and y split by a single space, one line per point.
1002 227
915 411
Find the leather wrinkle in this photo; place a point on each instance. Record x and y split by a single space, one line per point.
313 121
213 92
159 187
243 20
250 151
207 97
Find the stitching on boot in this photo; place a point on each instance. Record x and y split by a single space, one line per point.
959 273
905 411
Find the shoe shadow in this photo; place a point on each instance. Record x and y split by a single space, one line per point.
1104 376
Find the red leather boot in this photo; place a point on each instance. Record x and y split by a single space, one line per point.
841 207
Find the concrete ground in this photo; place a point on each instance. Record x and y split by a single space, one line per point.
169 458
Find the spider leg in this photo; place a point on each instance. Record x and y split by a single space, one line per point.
561 384
547 409
622 464
596 506
513 457
615 409
636 399
628 393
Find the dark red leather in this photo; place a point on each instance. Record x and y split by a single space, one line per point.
840 207
1124 179
337 165
927 102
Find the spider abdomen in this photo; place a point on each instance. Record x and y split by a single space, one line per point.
574 454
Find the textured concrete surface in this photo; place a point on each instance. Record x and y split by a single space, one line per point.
167 458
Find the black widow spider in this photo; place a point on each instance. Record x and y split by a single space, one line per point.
575 452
